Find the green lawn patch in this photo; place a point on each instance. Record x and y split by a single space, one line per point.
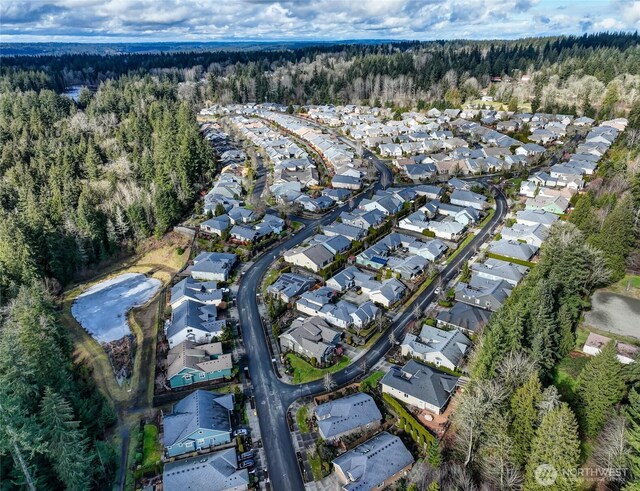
301 419
303 371
628 286
581 337
151 448
296 225
316 465
371 382
565 376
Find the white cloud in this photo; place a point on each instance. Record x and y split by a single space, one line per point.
307 19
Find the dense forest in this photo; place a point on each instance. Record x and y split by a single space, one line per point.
517 413
571 73
80 183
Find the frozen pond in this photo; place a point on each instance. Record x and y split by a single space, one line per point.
102 309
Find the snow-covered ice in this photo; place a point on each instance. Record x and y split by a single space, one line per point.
102 309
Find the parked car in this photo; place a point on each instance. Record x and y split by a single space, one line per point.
246 464
240 432
246 455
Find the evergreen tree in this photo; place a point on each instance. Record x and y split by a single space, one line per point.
632 413
524 417
67 445
556 444
600 386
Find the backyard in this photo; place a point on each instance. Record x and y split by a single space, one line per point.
304 372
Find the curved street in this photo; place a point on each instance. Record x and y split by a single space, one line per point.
273 397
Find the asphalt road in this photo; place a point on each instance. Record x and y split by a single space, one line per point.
273 396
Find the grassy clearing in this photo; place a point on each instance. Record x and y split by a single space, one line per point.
303 372
134 436
301 419
151 448
296 225
628 286
565 375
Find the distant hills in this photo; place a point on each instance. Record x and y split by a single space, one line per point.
56 49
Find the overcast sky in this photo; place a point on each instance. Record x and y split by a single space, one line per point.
217 20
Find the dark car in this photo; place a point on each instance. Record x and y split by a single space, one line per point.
246 464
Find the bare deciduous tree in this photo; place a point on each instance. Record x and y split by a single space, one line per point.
328 382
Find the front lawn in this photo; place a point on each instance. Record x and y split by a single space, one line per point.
303 371
296 225
301 419
151 448
371 382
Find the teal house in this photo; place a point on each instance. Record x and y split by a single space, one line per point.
199 421
189 363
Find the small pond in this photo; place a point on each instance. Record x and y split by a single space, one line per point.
102 309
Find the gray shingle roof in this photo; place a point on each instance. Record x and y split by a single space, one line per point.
451 345
422 382
213 472
465 316
346 414
200 409
373 462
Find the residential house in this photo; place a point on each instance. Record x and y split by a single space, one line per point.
347 415
206 293
534 217
199 421
468 198
341 181
365 314
312 338
464 317
446 229
189 363
496 269
626 353
484 293
216 226
375 464
312 302
420 385
513 249
313 258
348 278
350 232
217 471
192 321
534 235
530 150
436 347
213 266
363 219
290 285
557 204
388 293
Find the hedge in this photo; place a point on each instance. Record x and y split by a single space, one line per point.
521 262
408 423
